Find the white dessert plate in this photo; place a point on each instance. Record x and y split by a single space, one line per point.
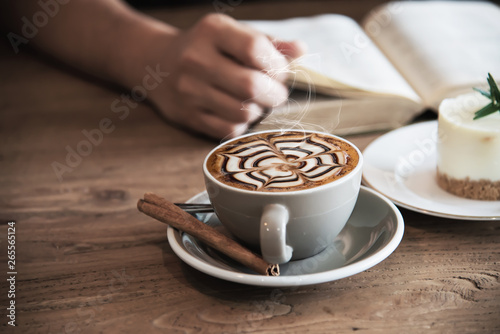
402 166
372 233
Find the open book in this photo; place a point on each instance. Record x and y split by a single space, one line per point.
404 58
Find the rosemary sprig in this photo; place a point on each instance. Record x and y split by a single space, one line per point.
493 95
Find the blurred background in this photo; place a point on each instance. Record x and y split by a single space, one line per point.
192 10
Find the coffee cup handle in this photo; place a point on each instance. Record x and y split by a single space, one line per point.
273 234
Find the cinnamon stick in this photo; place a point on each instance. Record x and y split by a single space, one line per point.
168 213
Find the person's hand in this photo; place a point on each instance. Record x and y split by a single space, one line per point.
222 76
215 78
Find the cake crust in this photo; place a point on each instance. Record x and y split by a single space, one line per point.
485 190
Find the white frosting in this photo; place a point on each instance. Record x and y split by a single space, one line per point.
468 147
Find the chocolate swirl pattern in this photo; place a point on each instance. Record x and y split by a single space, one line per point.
283 162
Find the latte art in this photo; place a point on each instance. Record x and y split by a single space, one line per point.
282 162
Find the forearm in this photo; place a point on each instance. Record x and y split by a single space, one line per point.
215 77
103 38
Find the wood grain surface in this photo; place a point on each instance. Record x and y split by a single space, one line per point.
88 262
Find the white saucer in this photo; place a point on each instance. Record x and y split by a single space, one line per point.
372 233
402 165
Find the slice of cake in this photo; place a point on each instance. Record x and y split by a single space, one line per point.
468 162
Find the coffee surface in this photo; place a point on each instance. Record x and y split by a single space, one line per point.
276 161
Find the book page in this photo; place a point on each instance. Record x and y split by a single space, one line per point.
341 59
442 48
341 117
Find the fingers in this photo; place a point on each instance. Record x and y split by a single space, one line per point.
225 74
201 95
251 48
247 46
291 49
215 126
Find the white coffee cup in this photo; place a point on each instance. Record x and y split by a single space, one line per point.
286 225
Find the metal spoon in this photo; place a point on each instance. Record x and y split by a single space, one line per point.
195 207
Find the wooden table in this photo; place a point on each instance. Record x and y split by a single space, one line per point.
87 261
